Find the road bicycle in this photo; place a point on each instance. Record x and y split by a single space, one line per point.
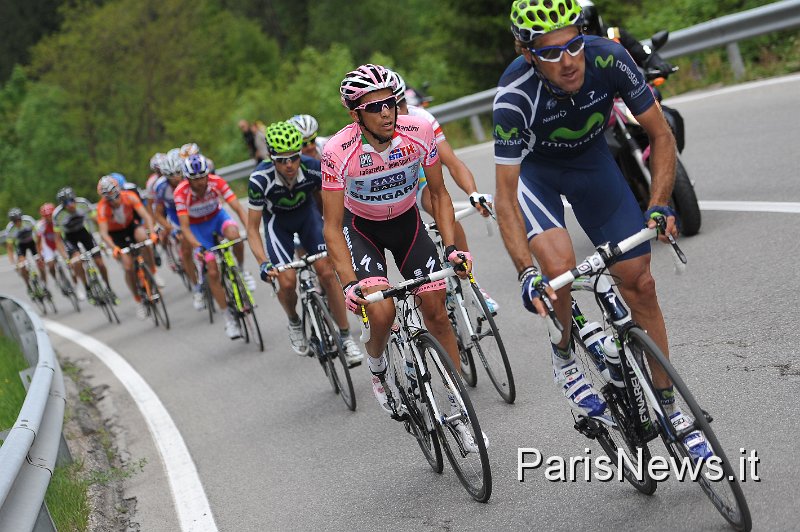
623 372
237 295
64 282
474 324
175 258
431 400
37 290
145 285
96 290
320 329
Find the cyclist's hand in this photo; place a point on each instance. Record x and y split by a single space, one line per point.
154 237
268 271
200 254
117 252
528 280
461 261
668 213
352 297
478 200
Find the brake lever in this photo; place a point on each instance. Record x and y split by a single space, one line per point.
540 287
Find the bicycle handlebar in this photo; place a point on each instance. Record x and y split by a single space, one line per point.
302 262
398 290
227 243
135 246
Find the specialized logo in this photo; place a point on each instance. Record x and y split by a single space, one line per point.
402 151
434 153
600 62
597 119
365 260
506 135
292 202
365 159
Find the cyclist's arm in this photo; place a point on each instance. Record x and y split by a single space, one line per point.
333 206
441 203
461 174
159 212
144 214
102 228
187 231
254 236
10 251
236 206
509 217
662 159
60 245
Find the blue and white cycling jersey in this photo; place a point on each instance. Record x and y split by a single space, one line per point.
163 194
530 122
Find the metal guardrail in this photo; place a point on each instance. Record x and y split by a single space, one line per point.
28 454
726 30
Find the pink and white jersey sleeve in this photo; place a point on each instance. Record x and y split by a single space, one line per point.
379 186
413 110
202 208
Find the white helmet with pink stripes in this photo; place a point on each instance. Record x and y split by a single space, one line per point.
363 80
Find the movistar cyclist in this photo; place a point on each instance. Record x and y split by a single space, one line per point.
550 111
20 239
308 126
285 193
369 191
458 170
72 219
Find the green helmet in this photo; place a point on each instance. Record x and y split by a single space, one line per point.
532 18
283 137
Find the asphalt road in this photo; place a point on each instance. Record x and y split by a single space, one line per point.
276 450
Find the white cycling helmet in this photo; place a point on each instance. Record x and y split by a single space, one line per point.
399 85
189 149
363 80
156 161
172 165
306 124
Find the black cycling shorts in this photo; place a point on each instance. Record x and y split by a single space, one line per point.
412 248
81 236
24 247
124 237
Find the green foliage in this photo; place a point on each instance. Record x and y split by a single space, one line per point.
12 392
67 499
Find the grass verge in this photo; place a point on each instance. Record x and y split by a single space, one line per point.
12 392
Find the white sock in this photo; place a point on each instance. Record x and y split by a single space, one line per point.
377 365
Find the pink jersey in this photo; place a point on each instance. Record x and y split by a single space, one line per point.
413 110
201 209
379 186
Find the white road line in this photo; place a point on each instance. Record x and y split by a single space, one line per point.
750 206
194 512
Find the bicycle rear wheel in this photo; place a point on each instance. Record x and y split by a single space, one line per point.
441 382
723 490
208 298
612 440
490 348
247 316
66 287
48 302
419 423
155 300
333 352
462 338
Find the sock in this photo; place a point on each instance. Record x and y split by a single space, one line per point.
376 365
294 321
344 333
564 356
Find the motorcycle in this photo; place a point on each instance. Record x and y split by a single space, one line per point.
631 149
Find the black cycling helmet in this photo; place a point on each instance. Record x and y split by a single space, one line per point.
65 194
15 214
592 21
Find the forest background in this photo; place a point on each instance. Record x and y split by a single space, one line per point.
89 87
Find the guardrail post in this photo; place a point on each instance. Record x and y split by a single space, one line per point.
735 59
477 128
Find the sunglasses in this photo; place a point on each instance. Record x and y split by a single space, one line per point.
378 106
553 54
309 141
277 159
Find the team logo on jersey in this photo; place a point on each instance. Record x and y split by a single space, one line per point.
551 103
327 160
434 153
292 202
359 183
505 135
365 159
389 181
591 95
596 119
600 62
402 151
328 178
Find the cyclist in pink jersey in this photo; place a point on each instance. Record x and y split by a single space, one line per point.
369 184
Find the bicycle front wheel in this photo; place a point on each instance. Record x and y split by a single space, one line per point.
155 299
455 419
490 348
716 474
332 351
247 313
419 423
461 331
66 287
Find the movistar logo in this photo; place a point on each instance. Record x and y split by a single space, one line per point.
506 135
294 201
599 62
566 133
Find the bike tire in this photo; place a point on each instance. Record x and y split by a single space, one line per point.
491 350
333 351
621 437
685 201
208 298
247 316
725 495
155 300
48 299
460 329
472 469
419 423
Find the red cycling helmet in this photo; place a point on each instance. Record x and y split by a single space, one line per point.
47 209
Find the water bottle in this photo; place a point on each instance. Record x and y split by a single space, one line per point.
612 361
593 336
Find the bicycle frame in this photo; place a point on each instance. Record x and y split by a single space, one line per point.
306 284
228 268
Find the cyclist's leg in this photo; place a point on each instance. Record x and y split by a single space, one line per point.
22 267
204 233
279 244
88 243
124 238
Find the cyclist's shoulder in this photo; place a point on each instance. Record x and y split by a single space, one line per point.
347 138
515 73
310 163
29 220
417 126
182 188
